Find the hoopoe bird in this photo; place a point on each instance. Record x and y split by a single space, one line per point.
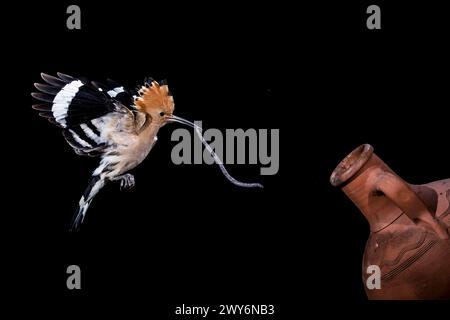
110 122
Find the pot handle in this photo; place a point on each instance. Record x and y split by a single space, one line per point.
400 193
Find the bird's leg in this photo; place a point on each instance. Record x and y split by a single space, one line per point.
126 181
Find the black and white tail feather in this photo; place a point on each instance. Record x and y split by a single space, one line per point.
94 186
84 110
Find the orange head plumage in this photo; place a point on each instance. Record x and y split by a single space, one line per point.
156 100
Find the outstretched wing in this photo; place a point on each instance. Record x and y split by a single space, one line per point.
83 109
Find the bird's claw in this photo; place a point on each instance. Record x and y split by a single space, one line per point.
126 181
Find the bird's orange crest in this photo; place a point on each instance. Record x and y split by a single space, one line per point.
154 96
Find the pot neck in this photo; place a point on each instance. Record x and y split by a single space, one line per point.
362 189
380 194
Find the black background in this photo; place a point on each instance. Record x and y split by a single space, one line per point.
184 234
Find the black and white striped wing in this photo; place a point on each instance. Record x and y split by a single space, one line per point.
81 109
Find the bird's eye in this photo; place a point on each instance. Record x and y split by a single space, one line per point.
162 113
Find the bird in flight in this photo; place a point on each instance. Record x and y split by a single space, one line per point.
108 121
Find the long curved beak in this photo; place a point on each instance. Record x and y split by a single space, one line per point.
173 118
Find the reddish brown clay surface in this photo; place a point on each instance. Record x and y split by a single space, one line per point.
409 227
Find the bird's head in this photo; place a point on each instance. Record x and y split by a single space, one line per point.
156 100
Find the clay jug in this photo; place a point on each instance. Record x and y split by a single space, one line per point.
409 228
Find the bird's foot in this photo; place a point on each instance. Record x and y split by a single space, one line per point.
126 181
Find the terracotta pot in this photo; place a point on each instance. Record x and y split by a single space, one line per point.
409 227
